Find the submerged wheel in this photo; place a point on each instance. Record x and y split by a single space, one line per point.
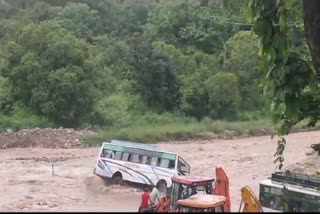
117 178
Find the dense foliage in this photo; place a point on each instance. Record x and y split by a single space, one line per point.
292 70
111 63
105 63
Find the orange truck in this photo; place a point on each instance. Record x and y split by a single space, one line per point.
198 193
203 194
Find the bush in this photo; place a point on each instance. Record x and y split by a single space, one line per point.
194 96
23 118
154 76
52 73
249 116
112 111
224 97
6 100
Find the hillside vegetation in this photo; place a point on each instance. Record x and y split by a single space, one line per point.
135 69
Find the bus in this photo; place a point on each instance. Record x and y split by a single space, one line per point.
139 163
290 193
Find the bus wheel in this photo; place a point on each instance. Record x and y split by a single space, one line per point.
117 178
162 186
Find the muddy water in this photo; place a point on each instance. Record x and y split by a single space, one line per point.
27 183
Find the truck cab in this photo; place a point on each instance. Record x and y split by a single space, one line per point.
183 187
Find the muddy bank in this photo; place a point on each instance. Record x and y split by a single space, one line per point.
44 138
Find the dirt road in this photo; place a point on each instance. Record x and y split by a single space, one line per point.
27 183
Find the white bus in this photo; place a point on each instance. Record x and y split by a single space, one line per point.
139 163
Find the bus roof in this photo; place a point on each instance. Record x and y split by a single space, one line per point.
118 145
136 145
191 179
203 201
295 188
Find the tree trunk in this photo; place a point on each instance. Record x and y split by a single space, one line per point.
311 13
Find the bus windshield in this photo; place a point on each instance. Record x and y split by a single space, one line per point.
183 167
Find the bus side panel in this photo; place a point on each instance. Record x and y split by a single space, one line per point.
128 173
103 169
159 173
149 175
146 174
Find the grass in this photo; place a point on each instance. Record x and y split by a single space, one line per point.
23 119
151 133
152 128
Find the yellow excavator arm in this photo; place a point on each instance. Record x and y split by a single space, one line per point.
249 201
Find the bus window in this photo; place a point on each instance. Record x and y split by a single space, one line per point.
154 161
125 156
159 162
164 163
135 158
172 164
107 154
148 161
118 156
144 159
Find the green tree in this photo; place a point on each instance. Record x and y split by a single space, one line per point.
80 19
9 8
241 58
113 53
6 101
41 11
133 16
195 100
154 76
189 23
52 72
224 97
193 69
293 80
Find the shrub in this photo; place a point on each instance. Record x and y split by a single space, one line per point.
52 73
224 97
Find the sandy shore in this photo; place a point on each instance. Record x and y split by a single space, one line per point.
27 184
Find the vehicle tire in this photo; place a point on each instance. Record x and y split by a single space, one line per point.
117 178
162 186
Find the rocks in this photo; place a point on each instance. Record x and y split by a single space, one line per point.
310 153
42 203
243 159
53 205
30 204
44 138
28 197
